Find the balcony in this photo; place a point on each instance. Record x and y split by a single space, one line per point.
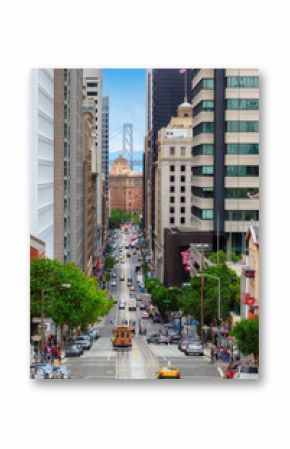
249 272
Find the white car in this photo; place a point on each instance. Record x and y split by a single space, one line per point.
246 372
113 284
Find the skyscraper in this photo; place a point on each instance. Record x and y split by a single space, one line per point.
105 140
69 166
225 154
42 157
166 90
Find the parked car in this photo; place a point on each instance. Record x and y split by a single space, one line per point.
96 333
132 288
163 339
145 314
84 342
74 351
114 275
174 339
153 338
46 367
142 306
183 343
113 284
245 372
138 298
231 369
194 348
90 335
62 372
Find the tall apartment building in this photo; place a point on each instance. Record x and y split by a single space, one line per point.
89 183
173 180
165 91
105 140
225 154
42 157
69 166
92 100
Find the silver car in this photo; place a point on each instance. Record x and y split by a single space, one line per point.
163 339
194 348
62 372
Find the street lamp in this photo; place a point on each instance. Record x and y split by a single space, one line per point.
43 291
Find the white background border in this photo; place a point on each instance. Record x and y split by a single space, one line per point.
151 34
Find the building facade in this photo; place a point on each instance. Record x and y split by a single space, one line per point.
41 187
172 180
225 154
126 187
166 89
88 193
69 167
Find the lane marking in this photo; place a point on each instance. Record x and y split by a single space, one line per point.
220 371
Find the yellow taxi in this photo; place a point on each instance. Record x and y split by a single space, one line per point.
168 372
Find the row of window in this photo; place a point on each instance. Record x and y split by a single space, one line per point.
243 81
232 126
172 220
172 210
206 83
172 199
203 106
172 189
172 178
173 152
230 193
230 170
230 215
172 168
243 103
231 148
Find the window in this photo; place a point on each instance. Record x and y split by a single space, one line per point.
205 105
243 103
241 215
182 220
242 148
182 168
92 84
171 210
204 127
171 220
240 192
242 170
204 214
208 83
182 151
203 192
172 167
182 189
243 81
172 189
242 126
206 170
171 199
182 178
182 199
206 148
172 178
92 94
182 210
172 151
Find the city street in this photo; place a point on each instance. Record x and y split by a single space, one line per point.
143 360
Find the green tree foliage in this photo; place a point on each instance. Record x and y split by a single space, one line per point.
220 256
246 333
118 217
190 302
109 263
79 305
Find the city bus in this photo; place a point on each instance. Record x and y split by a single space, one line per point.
122 337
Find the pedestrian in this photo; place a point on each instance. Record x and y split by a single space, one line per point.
212 354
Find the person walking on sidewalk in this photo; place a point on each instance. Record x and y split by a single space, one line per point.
212 354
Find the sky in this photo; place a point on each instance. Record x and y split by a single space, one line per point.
126 89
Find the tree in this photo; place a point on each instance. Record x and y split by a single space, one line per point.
77 306
109 263
246 333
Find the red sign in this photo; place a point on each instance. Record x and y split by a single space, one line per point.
248 299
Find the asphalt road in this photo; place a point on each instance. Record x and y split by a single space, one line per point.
143 360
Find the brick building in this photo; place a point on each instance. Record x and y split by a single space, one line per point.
126 187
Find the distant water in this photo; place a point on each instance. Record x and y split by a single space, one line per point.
137 155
